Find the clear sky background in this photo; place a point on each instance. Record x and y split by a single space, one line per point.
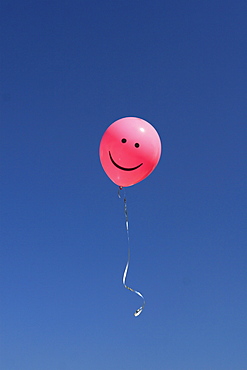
68 70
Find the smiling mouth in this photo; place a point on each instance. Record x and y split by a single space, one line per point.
124 168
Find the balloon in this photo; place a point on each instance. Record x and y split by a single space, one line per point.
129 151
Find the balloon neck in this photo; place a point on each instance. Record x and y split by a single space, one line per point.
119 189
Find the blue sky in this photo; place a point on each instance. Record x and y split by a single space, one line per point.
68 70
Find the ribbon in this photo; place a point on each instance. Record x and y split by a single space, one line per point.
140 309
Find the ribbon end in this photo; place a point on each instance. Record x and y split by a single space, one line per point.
138 312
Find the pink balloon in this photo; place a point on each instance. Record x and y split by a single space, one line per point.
130 150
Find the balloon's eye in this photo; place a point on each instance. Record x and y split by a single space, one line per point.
124 140
137 145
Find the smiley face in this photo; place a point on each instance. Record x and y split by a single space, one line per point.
129 150
125 168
